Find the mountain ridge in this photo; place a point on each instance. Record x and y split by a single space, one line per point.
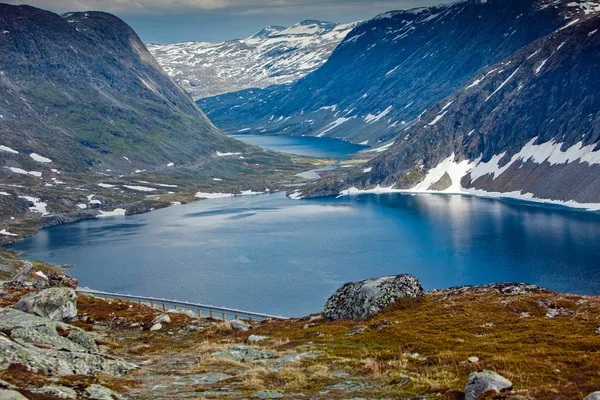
390 69
274 55
527 128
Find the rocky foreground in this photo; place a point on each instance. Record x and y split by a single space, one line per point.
377 339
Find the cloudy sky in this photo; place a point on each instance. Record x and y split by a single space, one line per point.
169 21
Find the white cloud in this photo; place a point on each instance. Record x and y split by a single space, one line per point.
237 7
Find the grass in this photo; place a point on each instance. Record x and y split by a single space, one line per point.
414 348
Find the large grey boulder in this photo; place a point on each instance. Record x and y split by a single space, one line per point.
363 299
59 304
485 381
99 392
593 396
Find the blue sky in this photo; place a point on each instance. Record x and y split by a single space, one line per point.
169 21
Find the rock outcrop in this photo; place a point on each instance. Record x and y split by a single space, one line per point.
360 300
36 343
485 381
59 304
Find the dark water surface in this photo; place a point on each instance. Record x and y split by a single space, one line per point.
271 254
303 145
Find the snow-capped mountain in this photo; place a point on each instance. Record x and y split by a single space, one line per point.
527 127
274 55
389 70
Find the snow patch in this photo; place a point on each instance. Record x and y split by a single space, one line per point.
139 188
40 158
7 233
117 212
369 119
8 149
38 206
20 171
219 154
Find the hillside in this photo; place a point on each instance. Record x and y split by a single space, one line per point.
390 70
545 343
90 124
527 127
274 55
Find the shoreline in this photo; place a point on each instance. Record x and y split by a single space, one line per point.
525 199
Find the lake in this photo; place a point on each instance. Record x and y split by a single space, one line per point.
271 254
303 145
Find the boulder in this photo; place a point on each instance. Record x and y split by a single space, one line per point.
161 319
156 327
240 326
59 304
360 300
11 395
485 381
256 339
59 280
593 396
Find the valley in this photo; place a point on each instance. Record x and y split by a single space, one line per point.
416 194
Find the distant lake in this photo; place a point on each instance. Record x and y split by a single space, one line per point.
303 145
271 254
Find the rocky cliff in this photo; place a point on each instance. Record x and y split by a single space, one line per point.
527 127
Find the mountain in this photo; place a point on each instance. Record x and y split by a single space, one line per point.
526 128
274 55
90 123
83 91
389 70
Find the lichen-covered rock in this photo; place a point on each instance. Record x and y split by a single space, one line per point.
360 300
59 304
485 381
593 396
34 342
243 353
83 339
60 392
6 394
99 392
59 280
267 394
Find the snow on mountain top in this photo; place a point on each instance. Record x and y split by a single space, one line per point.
274 55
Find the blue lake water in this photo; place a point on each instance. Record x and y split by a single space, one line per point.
271 254
303 145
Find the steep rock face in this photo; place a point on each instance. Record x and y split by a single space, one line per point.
275 55
527 127
388 71
81 91
360 300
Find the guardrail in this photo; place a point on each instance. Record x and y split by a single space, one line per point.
201 310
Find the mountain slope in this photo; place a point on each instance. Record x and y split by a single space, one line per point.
83 91
389 70
275 55
90 125
527 127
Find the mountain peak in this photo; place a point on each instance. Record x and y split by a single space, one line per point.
268 31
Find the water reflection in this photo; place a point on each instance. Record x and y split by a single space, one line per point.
272 254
